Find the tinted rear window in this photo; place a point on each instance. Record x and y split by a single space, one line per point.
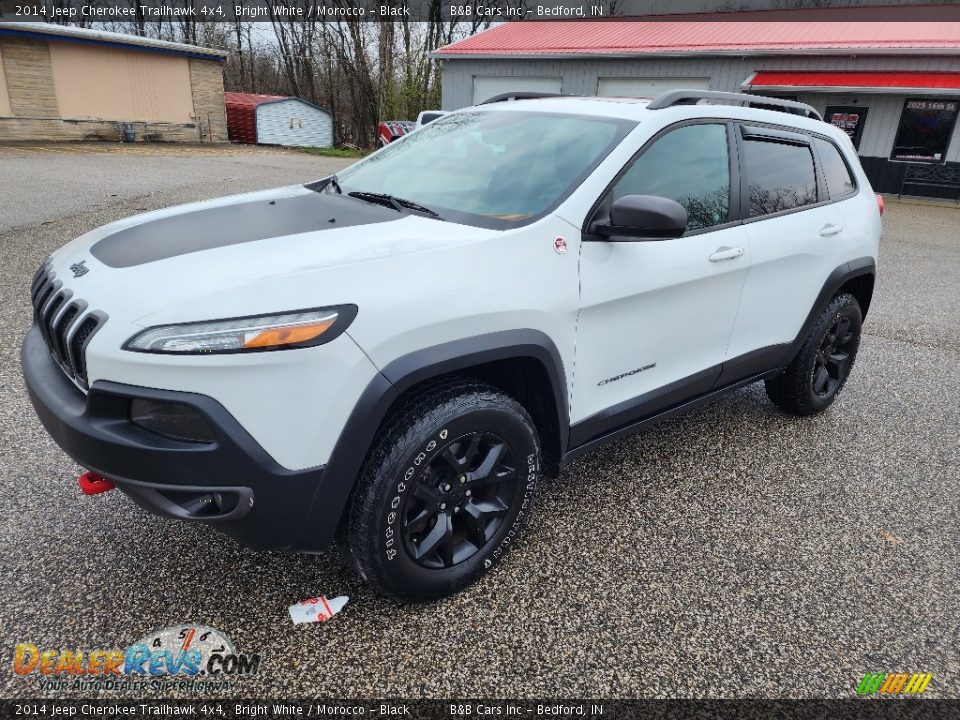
780 176
835 170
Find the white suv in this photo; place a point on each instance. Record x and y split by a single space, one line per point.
394 356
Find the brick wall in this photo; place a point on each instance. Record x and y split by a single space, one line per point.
36 117
206 78
26 64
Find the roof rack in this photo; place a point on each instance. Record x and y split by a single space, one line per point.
521 95
692 97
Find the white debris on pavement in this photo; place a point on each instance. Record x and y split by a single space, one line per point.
317 609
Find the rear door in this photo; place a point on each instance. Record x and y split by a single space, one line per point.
795 237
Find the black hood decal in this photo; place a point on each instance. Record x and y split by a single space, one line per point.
205 229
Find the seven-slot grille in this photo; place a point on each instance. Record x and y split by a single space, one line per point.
65 324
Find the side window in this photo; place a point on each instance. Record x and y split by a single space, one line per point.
835 170
690 165
780 176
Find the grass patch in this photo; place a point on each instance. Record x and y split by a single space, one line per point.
337 152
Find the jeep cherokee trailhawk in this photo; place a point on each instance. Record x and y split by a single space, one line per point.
394 355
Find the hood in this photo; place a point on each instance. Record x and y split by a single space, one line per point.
268 251
243 221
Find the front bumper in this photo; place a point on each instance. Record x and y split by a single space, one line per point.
258 502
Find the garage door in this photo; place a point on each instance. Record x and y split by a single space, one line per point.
294 123
488 86
647 87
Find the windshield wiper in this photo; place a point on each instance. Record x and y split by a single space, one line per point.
324 184
392 201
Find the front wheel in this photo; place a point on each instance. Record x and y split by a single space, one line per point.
445 492
810 383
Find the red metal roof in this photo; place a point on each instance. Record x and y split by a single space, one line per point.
882 29
917 80
241 115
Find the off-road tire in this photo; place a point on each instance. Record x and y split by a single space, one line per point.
415 458
802 389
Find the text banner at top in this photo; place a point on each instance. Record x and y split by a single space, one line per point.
476 12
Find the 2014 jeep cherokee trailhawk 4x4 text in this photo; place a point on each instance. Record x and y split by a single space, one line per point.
395 355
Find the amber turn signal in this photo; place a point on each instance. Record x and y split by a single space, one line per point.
288 335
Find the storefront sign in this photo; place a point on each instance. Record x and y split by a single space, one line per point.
925 130
849 118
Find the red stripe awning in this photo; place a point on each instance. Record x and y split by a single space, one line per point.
862 81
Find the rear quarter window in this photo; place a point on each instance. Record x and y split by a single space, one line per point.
836 172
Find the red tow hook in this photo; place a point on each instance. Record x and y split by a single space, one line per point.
93 484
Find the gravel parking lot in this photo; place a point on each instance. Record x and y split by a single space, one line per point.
731 552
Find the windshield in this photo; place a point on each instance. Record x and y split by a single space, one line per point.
495 169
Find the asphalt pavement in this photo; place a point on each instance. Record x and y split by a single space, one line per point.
731 552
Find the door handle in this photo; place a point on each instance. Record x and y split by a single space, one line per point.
726 253
830 229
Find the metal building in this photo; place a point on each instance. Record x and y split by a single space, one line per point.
890 76
277 120
59 82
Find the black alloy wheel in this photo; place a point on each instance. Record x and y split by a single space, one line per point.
446 490
459 500
814 378
834 358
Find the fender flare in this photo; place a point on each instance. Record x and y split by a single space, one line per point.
841 275
359 433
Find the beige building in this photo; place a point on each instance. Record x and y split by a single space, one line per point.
67 83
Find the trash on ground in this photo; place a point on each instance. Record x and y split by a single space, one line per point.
317 609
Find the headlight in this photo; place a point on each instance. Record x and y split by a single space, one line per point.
303 328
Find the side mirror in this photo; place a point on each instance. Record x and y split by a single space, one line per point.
645 216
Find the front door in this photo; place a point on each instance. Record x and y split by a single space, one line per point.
656 316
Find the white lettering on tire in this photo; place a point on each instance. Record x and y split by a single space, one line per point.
532 470
401 490
402 487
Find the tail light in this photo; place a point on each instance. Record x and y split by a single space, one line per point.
880 203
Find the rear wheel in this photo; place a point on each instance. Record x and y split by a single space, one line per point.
445 492
816 376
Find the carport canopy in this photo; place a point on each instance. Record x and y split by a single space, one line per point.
943 83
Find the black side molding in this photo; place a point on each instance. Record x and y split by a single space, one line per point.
659 416
753 363
626 413
632 415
